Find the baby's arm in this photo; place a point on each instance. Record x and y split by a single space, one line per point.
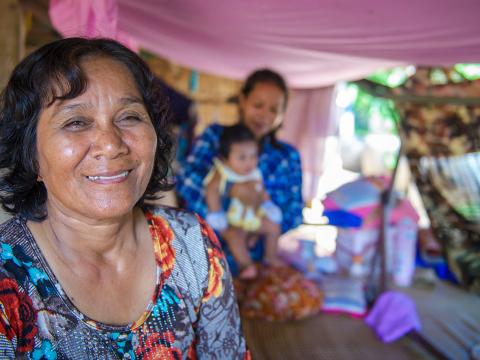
265 196
212 193
215 216
272 211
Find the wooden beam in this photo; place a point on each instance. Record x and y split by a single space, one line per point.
387 93
39 9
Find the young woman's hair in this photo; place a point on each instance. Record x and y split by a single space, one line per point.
263 76
235 134
53 73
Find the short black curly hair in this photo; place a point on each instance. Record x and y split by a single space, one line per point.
53 73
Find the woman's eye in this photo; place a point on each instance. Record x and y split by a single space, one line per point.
131 119
76 124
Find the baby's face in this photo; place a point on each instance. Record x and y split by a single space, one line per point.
243 157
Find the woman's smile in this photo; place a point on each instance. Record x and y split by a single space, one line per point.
109 178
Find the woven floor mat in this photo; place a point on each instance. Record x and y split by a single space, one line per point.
324 337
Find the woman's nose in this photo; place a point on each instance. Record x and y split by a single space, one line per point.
264 113
267 117
108 142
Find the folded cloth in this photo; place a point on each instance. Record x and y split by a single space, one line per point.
343 295
359 193
342 218
393 315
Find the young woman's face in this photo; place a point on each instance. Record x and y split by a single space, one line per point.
262 109
243 157
96 151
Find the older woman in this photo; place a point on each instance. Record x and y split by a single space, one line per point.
87 269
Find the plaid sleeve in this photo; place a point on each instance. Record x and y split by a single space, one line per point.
190 176
293 202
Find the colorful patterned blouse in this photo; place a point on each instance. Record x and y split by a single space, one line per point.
192 314
280 167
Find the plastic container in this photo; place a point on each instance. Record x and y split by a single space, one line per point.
404 248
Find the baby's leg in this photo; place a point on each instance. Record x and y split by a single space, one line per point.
271 248
236 240
271 251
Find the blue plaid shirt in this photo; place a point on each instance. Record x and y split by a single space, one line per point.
280 167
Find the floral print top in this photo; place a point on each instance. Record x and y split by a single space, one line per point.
192 314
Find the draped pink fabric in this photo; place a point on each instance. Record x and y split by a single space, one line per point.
314 43
88 18
307 124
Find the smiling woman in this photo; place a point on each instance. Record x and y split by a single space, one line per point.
95 152
95 272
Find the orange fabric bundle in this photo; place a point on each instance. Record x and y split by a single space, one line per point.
278 293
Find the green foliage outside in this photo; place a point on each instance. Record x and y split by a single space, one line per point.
370 110
377 115
468 71
373 114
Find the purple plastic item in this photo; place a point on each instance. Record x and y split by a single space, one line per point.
393 315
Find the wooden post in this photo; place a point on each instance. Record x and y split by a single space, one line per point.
12 44
12 41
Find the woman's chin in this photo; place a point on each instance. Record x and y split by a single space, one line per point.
109 213
111 208
97 209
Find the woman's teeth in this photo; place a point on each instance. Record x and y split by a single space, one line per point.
119 176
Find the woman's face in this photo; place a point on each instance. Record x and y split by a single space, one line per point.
96 151
262 109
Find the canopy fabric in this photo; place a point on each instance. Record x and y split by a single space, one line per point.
314 43
88 18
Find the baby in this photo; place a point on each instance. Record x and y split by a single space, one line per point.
235 175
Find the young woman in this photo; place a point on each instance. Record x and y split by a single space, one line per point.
262 104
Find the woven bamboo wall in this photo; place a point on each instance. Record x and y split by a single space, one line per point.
11 44
211 93
12 38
